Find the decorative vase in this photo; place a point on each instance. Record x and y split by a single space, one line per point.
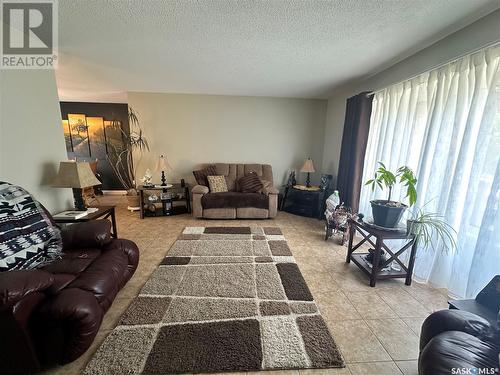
133 201
387 214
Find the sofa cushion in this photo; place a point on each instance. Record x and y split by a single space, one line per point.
233 172
104 276
219 213
74 262
201 174
217 184
234 200
250 183
15 285
252 213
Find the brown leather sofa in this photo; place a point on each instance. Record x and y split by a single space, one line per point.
459 342
51 315
234 204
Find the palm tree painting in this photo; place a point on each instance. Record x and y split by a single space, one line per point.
79 134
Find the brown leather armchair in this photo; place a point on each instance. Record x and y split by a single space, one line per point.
51 315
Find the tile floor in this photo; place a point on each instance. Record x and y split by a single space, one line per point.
377 329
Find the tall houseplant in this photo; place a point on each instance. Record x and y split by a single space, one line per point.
387 213
121 156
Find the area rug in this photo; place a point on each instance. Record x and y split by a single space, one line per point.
224 299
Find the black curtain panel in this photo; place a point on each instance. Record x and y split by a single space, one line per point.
352 153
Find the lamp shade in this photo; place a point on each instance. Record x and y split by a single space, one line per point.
76 175
308 166
162 164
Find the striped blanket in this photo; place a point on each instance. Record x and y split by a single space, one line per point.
28 238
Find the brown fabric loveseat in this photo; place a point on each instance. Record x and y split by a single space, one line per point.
234 204
51 315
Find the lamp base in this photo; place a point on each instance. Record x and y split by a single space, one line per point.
308 180
163 179
79 202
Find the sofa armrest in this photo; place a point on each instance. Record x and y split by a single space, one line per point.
198 192
273 202
200 189
273 190
130 249
93 233
67 325
453 320
15 285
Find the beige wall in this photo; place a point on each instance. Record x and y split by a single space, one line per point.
31 137
194 129
480 33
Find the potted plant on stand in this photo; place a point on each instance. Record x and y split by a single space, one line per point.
387 213
431 230
121 156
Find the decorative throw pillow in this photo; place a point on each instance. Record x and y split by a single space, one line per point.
266 185
217 184
28 238
250 183
201 175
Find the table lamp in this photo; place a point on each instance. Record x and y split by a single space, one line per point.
76 175
163 165
308 168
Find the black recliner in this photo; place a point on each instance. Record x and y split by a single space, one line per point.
464 339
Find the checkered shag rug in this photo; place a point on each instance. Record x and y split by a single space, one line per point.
224 299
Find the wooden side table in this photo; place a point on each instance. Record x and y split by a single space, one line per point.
103 212
377 271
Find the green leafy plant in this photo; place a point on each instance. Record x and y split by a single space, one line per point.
385 178
432 231
121 155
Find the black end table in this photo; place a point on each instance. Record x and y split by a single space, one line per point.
174 187
377 271
103 212
310 203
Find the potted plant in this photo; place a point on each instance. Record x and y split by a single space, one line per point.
121 156
430 230
387 213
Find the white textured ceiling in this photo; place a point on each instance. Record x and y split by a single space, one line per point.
284 48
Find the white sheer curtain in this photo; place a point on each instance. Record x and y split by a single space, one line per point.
445 125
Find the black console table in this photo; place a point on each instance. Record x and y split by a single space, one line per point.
174 190
310 203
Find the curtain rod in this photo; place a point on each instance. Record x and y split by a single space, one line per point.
487 45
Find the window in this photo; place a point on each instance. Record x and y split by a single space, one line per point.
445 125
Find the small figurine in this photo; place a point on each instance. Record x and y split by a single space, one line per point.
147 180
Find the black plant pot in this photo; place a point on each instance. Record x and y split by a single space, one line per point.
386 214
